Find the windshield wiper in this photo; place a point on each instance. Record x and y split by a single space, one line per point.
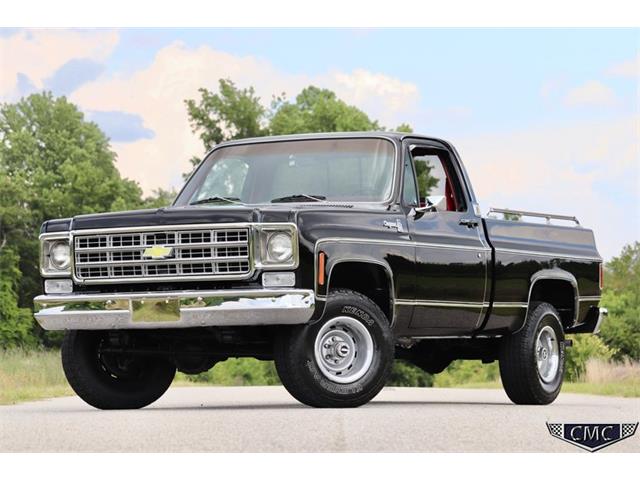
217 198
299 197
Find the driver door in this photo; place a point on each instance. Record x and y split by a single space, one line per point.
451 256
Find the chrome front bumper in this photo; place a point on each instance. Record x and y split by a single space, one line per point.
180 309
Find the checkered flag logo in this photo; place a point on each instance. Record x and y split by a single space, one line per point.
628 429
555 429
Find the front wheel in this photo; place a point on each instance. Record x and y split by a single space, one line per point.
343 360
532 361
112 380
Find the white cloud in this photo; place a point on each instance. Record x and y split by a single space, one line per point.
592 93
157 94
39 53
591 170
381 96
630 68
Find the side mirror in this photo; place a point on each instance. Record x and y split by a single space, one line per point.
435 203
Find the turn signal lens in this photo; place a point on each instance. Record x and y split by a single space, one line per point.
321 267
601 275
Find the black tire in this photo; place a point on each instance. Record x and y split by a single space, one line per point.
298 368
521 379
103 382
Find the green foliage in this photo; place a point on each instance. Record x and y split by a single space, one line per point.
404 128
405 374
159 198
426 181
231 113
53 164
513 217
621 330
584 348
317 110
238 371
237 113
15 322
467 371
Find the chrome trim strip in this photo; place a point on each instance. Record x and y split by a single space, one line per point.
445 337
554 275
510 305
407 243
594 298
602 315
545 254
176 309
445 304
384 265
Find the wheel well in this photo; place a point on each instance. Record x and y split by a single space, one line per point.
559 293
370 279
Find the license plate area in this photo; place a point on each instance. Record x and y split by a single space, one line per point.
155 310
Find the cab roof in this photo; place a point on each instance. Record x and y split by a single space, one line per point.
397 136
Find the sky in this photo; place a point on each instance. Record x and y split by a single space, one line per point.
544 119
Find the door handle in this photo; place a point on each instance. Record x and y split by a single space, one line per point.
469 222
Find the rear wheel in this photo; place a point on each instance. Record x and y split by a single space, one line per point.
112 380
532 361
343 360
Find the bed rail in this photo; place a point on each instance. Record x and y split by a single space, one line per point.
547 216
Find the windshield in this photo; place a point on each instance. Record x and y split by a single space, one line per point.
342 170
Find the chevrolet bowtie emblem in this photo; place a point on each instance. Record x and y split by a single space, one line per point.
158 252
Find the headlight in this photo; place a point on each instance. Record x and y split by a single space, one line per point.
275 246
55 257
60 255
279 247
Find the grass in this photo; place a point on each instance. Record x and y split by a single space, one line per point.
35 374
601 378
31 375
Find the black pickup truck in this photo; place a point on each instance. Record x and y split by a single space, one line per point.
332 254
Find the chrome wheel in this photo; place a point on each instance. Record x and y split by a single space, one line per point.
547 354
344 350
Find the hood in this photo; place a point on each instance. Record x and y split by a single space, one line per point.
182 216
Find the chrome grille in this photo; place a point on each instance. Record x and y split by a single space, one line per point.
118 256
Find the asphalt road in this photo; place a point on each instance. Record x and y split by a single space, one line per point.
267 419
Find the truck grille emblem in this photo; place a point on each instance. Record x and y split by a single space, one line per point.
158 252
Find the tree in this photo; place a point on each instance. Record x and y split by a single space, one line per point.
317 110
232 113
621 296
237 113
53 164
513 217
160 198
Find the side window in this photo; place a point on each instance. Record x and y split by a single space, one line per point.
409 192
436 185
226 179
